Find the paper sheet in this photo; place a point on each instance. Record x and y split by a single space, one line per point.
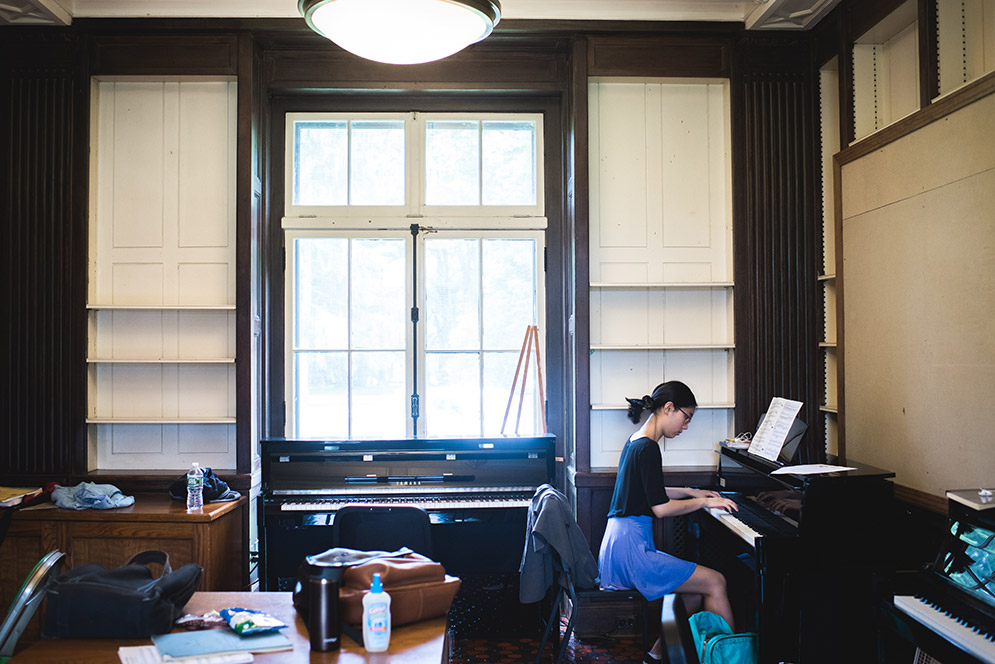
810 469
773 431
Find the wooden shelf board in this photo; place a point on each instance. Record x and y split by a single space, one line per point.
600 285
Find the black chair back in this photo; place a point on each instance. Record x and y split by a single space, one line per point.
383 528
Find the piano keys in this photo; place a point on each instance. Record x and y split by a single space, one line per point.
948 609
476 491
798 556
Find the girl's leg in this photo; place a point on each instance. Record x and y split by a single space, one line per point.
711 585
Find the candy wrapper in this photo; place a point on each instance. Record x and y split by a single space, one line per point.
209 620
248 621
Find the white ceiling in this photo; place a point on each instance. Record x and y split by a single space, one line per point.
755 14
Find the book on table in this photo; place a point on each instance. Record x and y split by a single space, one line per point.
177 645
12 496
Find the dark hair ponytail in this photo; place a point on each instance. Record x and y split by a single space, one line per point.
674 391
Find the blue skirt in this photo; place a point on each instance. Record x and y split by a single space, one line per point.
629 559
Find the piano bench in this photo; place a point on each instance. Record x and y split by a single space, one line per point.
616 614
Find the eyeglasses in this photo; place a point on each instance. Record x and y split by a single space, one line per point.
687 418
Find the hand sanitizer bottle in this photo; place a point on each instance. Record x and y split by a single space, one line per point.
376 617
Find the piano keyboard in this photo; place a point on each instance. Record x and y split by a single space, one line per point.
741 529
964 636
427 503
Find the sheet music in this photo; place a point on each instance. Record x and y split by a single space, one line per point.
773 431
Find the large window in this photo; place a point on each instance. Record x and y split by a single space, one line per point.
414 267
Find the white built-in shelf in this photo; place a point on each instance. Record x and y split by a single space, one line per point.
701 406
160 420
828 409
216 360
161 307
676 286
595 347
827 277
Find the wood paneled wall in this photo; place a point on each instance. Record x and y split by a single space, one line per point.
43 259
776 234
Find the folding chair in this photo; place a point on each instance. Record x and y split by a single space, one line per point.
26 602
383 528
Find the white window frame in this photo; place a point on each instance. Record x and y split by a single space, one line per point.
512 222
317 216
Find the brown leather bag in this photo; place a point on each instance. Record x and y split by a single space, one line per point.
419 588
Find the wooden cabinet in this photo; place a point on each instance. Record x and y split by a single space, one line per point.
213 539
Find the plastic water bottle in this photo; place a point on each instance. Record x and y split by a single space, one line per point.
195 488
376 617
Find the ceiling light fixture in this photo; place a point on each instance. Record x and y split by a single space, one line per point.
402 32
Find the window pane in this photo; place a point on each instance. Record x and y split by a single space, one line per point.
509 292
509 163
452 163
378 306
379 403
377 170
452 394
452 294
322 395
499 373
322 319
320 163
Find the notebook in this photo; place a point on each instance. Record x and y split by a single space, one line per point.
216 641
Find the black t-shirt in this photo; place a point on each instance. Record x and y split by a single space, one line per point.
639 484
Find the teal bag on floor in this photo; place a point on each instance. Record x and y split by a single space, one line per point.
715 642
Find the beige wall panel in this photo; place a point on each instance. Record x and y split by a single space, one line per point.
865 106
936 155
628 320
205 216
684 168
135 335
143 441
621 167
202 390
138 391
899 82
137 283
689 318
205 334
139 143
204 283
920 331
622 374
625 273
702 273
200 441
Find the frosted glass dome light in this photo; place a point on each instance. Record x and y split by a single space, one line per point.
402 32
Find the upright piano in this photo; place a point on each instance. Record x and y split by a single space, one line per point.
947 610
476 491
799 555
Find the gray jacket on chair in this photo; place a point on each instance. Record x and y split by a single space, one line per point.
552 527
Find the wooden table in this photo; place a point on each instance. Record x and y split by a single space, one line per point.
417 643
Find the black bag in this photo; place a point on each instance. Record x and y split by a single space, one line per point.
90 601
215 488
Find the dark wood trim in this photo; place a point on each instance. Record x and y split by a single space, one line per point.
658 56
580 220
929 46
165 55
938 110
927 501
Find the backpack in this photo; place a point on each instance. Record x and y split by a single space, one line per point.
715 642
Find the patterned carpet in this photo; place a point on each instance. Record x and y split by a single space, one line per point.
523 650
490 626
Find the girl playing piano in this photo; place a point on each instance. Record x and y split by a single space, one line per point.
628 557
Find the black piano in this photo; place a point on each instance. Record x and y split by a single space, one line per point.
948 609
476 490
799 555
